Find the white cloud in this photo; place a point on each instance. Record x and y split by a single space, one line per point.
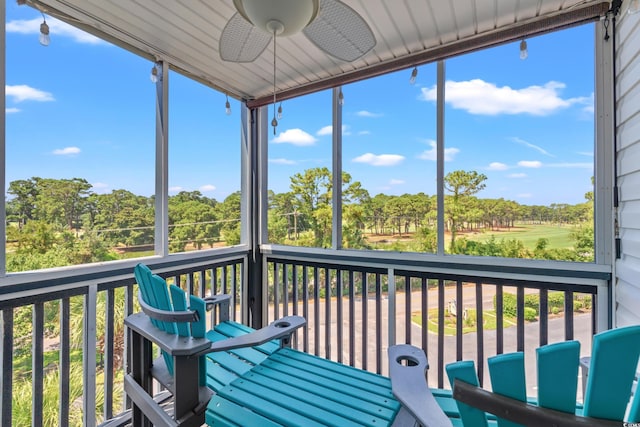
282 161
479 97
365 113
175 189
530 164
364 132
525 195
21 93
328 130
533 146
379 159
295 137
100 185
497 166
518 175
66 151
449 153
207 188
396 182
57 28
11 110
586 153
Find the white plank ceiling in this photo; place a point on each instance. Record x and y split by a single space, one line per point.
186 34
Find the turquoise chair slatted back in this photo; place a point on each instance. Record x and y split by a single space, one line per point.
157 294
198 330
614 360
144 276
465 370
558 375
163 300
612 370
508 379
179 304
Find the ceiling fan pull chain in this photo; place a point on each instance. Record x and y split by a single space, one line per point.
274 122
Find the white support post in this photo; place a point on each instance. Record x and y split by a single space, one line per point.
440 154
3 159
605 228
161 240
336 228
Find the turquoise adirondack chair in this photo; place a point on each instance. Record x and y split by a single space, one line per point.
610 376
235 376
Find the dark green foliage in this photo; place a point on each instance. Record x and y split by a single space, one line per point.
555 303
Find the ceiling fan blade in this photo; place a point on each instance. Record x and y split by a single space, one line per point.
340 31
241 41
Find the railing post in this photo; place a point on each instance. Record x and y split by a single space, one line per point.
6 364
37 365
65 361
602 307
89 356
391 280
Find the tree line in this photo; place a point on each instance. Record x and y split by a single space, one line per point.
53 222
303 216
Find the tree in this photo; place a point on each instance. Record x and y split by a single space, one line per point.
229 213
61 201
20 208
192 221
461 184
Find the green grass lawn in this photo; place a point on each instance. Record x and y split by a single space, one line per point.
529 234
557 235
488 317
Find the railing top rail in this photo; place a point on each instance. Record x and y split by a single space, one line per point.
72 280
487 267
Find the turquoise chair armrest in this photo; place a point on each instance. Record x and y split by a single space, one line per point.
407 368
280 329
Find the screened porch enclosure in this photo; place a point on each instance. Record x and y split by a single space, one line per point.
64 347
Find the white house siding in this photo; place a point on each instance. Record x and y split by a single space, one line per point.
627 60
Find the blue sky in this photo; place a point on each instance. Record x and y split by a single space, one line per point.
83 108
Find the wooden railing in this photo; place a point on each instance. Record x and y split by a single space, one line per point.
63 347
61 325
359 303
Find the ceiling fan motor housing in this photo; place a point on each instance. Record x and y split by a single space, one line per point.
282 17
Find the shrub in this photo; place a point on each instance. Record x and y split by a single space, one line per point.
532 301
530 315
556 300
555 310
509 307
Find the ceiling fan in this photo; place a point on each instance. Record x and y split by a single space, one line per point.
331 25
